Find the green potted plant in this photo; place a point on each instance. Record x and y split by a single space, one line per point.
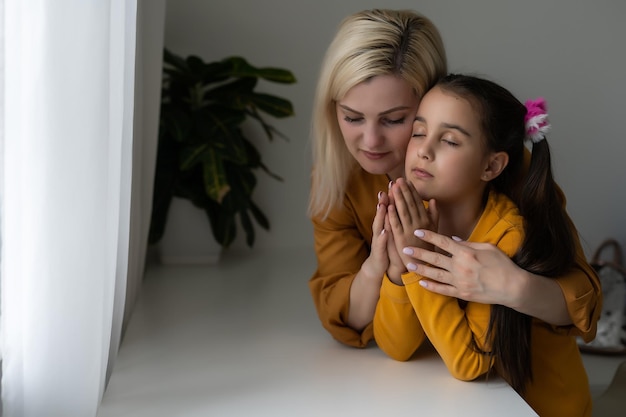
203 154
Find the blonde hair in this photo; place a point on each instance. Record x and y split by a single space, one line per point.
369 43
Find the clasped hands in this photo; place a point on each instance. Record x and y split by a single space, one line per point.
405 238
404 213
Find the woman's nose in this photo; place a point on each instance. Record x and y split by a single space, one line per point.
372 136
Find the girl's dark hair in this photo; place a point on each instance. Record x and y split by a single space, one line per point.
548 247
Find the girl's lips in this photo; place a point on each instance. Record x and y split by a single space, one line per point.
420 173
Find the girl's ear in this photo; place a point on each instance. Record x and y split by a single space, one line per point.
496 164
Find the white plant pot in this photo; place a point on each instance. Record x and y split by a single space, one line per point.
188 239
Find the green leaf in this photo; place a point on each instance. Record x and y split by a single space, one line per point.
190 156
243 182
270 173
175 123
267 128
217 125
214 174
277 75
216 72
196 67
259 216
228 144
222 224
270 104
236 94
174 60
240 68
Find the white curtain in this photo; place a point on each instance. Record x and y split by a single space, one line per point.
67 162
148 72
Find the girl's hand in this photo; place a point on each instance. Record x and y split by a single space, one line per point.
395 267
408 214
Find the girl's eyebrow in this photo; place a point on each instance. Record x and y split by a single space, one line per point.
391 110
446 125
456 127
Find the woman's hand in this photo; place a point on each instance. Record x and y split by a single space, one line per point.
473 271
396 266
377 263
482 273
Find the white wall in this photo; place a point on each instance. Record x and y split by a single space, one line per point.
571 52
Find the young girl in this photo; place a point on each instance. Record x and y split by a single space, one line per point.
464 159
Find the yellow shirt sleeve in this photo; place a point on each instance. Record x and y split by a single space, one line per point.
397 330
342 244
455 328
454 331
583 295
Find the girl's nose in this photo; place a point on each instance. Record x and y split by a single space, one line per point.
425 150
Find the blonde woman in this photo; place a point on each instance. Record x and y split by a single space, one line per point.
376 70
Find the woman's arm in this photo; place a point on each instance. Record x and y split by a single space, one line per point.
365 288
480 272
351 262
340 255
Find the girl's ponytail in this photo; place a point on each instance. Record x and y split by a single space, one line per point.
549 247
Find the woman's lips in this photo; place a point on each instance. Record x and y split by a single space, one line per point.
374 155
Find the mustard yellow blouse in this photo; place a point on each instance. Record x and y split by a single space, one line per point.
406 315
342 243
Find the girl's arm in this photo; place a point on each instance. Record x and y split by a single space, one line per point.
458 334
458 329
397 329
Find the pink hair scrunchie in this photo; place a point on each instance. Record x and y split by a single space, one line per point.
536 120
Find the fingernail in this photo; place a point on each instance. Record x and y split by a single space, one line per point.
419 233
407 251
458 239
423 283
380 194
378 206
390 184
411 267
382 232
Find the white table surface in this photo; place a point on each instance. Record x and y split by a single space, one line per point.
242 339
